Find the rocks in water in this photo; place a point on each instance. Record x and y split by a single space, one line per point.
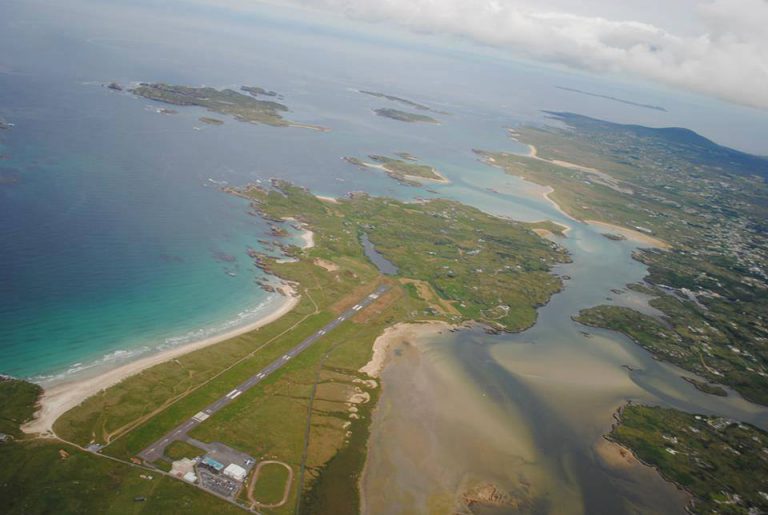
489 495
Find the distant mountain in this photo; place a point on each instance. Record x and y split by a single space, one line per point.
696 148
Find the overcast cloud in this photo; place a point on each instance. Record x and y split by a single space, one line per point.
714 47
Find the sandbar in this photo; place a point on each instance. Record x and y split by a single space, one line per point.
631 234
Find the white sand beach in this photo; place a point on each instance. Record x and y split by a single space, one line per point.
62 397
631 234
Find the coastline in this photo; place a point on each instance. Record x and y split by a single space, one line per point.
546 195
60 398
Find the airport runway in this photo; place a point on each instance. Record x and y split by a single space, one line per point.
157 449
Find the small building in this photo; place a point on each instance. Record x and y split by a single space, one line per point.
213 464
190 477
235 472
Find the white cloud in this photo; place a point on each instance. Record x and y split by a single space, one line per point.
722 53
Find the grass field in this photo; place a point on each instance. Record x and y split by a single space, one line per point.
271 484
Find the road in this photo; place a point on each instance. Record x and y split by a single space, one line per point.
157 449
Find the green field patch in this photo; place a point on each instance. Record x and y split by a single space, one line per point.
271 484
178 450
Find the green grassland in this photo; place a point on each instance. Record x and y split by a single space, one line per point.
707 201
49 476
724 464
242 107
179 449
313 414
271 484
17 404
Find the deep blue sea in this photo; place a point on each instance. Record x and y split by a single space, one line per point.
114 237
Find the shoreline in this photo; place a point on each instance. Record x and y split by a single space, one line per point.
546 195
390 336
60 398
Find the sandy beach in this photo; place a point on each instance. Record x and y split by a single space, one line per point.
309 239
62 397
631 234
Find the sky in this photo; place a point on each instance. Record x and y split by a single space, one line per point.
717 48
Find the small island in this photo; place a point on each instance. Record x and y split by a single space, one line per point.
406 170
257 91
404 116
211 121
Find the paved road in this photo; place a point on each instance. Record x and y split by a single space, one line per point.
157 449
